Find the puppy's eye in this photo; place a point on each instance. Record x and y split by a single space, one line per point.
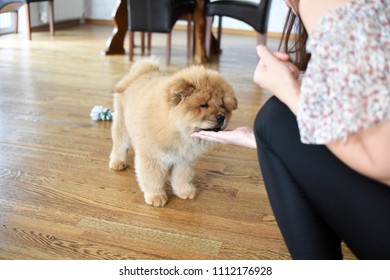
204 105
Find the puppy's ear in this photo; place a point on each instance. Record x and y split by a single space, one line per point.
178 90
230 103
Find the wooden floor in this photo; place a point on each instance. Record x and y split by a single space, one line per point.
59 199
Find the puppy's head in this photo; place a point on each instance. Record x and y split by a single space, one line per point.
201 99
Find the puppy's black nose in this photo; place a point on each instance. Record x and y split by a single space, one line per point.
220 119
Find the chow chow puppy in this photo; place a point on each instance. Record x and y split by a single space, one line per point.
155 114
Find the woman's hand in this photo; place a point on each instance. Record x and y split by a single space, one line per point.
276 74
241 136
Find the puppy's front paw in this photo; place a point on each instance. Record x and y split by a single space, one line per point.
118 165
187 193
158 200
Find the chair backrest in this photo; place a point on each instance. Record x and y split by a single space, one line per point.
15 4
157 15
264 8
150 15
30 1
5 3
254 14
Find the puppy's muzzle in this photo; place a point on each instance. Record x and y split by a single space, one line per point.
220 124
220 120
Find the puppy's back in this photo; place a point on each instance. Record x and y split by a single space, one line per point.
138 69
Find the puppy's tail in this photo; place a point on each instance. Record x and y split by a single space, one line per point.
139 68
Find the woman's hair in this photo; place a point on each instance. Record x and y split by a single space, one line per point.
295 44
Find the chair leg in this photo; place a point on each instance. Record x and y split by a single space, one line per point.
149 42
169 39
51 12
131 45
142 43
219 34
209 23
189 21
16 21
28 20
261 39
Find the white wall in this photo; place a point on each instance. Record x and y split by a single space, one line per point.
104 9
100 9
63 10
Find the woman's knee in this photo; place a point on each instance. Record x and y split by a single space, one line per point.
270 118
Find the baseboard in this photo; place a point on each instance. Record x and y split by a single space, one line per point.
99 21
182 27
58 25
276 35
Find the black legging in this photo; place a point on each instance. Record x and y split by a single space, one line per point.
317 200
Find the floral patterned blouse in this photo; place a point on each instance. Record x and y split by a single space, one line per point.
346 86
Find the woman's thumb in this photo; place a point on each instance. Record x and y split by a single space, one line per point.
264 53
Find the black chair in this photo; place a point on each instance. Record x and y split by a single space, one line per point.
7 6
158 16
13 6
254 14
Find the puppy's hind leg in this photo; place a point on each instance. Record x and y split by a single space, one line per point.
120 138
181 178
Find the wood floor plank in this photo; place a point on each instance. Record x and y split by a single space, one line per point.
59 199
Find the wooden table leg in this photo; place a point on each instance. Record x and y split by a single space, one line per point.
199 30
114 44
